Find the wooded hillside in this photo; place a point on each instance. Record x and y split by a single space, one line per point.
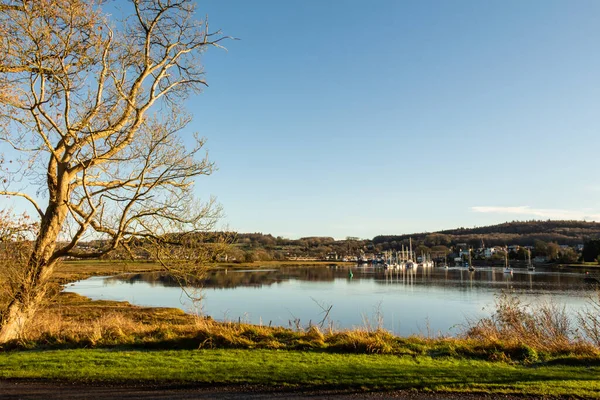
523 233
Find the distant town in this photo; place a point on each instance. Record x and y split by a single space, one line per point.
565 242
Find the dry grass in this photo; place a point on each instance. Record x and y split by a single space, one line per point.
544 327
589 320
74 321
514 333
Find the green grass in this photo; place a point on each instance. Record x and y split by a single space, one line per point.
588 264
315 369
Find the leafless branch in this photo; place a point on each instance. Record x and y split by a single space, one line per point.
25 196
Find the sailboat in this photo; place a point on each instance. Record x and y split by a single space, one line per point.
427 262
507 268
530 266
445 264
409 262
471 267
390 263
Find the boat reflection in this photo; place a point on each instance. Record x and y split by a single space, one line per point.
492 277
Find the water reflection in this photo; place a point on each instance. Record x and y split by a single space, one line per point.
439 298
229 279
458 277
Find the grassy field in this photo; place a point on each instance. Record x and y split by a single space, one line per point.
70 271
302 368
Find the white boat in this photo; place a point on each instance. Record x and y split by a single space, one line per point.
427 261
409 262
530 266
392 261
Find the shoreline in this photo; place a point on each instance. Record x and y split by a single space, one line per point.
70 271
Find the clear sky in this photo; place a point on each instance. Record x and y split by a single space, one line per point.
354 118
358 118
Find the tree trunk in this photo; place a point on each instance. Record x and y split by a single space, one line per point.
32 290
20 312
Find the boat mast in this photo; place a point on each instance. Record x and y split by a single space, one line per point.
469 257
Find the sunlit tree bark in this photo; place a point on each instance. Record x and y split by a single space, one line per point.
93 106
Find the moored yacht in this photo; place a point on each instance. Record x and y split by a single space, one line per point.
530 266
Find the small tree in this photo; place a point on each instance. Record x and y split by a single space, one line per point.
591 250
540 248
567 256
16 233
422 250
552 251
94 108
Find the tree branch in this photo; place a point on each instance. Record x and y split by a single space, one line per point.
25 196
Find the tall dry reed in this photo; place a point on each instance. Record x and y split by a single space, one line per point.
589 319
545 326
515 331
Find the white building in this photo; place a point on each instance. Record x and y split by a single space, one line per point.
488 252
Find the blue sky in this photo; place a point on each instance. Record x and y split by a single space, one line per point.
352 118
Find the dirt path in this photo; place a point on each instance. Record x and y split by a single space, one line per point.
32 389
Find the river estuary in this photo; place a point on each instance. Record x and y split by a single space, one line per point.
427 301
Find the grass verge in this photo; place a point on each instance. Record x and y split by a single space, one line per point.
306 369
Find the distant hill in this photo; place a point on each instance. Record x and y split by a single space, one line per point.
263 247
523 233
249 247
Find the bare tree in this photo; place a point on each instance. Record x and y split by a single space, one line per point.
92 111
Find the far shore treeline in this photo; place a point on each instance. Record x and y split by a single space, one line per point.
550 241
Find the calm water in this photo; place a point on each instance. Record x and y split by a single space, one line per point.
422 300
